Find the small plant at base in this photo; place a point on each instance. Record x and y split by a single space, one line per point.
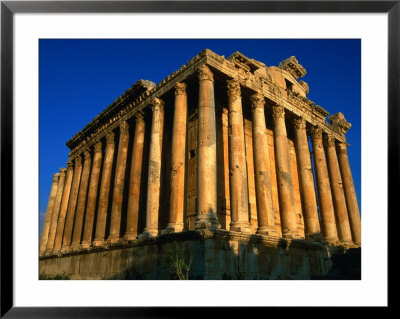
177 264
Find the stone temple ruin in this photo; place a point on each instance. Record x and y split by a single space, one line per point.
216 159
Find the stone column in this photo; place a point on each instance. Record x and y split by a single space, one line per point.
307 190
119 181
339 202
237 161
134 180
63 209
104 195
49 211
265 210
207 150
154 175
350 193
69 220
92 195
80 206
56 210
178 160
324 188
285 184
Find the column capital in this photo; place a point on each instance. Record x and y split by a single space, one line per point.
180 88
233 87
329 140
299 123
316 132
98 147
63 171
341 148
124 127
139 116
278 111
87 153
257 101
157 104
69 164
78 160
205 73
110 138
56 176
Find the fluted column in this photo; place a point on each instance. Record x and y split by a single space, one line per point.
63 208
178 160
207 150
237 161
339 201
324 189
116 208
92 196
80 206
56 210
104 191
262 172
49 212
154 175
307 190
285 184
69 220
350 193
135 179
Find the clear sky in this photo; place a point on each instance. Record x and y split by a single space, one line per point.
79 78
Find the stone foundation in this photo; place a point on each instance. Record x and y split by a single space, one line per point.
217 254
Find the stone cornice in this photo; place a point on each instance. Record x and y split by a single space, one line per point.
237 67
298 105
293 67
137 91
110 121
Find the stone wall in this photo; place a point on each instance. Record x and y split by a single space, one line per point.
216 255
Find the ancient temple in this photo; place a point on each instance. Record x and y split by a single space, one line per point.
226 157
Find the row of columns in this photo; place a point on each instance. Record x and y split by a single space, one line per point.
70 215
338 203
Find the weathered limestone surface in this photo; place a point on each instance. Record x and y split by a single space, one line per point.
312 226
56 210
237 161
116 208
216 255
339 202
104 195
80 206
285 184
154 178
207 159
69 221
350 192
324 188
63 209
262 166
49 211
92 195
178 161
135 179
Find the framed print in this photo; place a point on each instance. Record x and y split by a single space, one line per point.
169 181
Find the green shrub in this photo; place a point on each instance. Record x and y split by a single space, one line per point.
178 266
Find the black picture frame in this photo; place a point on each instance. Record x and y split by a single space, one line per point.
9 8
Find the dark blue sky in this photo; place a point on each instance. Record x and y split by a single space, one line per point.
79 78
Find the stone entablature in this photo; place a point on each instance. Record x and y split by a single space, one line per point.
218 144
249 72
